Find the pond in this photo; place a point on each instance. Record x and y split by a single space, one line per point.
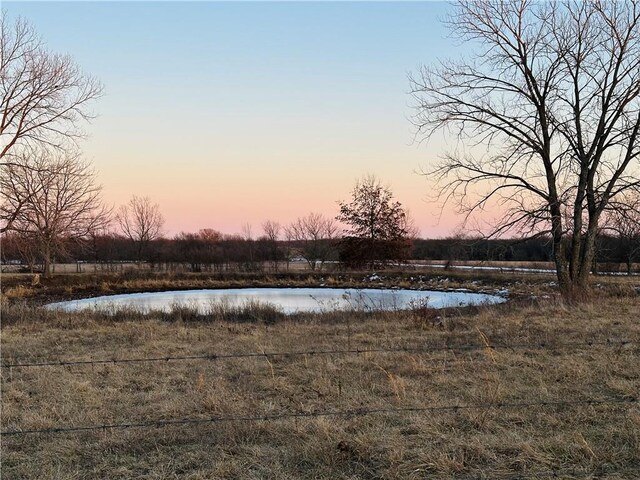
288 300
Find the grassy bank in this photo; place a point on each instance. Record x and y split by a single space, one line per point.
68 286
16 287
512 426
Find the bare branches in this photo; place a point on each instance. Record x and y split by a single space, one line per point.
623 219
271 230
52 198
552 95
45 96
315 235
44 100
140 221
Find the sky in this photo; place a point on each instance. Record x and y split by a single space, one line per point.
228 113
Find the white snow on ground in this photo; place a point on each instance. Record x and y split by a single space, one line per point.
289 300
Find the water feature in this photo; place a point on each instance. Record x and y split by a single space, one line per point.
289 300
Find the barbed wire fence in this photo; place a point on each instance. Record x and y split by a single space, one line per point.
357 412
335 352
597 472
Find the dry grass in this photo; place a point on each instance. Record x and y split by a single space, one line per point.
489 442
66 286
18 292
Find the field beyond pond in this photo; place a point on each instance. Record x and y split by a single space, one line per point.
531 389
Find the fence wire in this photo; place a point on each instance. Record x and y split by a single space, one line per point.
358 412
348 351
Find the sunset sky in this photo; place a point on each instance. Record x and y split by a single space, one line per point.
238 112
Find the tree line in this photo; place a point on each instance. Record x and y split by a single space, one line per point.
376 232
209 250
612 251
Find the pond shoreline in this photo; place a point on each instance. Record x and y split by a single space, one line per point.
288 299
76 287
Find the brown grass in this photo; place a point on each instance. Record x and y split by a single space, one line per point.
66 286
18 292
488 442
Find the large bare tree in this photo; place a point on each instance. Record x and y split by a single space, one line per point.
141 222
546 109
45 98
56 198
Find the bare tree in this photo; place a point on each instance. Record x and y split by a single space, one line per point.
45 99
247 236
548 110
14 196
57 200
141 222
623 219
271 231
247 232
18 246
45 96
315 235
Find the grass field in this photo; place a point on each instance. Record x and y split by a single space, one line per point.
462 404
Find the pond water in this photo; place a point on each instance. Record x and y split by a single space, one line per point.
288 300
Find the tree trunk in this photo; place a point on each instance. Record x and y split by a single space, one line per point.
581 283
46 261
562 268
559 251
587 255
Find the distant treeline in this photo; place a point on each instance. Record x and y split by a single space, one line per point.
479 249
212 251
208 251
609 249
